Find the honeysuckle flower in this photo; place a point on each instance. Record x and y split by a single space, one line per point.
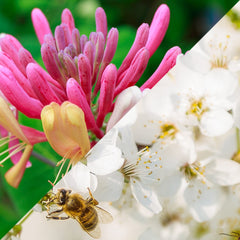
78 67
28 138
66 130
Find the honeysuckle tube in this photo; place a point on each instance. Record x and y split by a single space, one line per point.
108 82
158 28
139 42
101 21
167 63
66 130
39 19
14 174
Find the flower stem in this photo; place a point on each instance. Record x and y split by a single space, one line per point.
43 159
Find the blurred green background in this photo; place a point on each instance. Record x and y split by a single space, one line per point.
189 21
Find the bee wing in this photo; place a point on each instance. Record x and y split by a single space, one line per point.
103 215
95 233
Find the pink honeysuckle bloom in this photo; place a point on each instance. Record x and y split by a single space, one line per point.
78 66
16 132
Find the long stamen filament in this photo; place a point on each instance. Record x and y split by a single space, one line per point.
20 147
6 140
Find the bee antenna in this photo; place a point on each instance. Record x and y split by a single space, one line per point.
51 183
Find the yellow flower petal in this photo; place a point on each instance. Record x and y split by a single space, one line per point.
65 129
9 122
14 174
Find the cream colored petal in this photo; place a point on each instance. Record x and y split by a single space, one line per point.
54 130
9 122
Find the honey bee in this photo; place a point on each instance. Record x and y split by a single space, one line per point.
233 234
85 211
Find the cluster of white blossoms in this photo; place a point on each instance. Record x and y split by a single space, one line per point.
170 168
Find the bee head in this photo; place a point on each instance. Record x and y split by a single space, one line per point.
63 195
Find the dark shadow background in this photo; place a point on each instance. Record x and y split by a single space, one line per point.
189 21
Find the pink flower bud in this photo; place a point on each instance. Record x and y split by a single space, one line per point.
70 50
84 70
17 96
70 66
40 24
25 57
158 28
167 63
111 46
83 40
101 21
99 50
105 100
76 40
77 96
135 70
11 46
49 39
21 79
52 63
67 18
62 37
139 42
38 78
89 51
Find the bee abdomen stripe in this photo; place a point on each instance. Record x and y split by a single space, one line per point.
89 220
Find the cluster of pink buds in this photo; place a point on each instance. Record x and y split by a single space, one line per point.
79 71
78 67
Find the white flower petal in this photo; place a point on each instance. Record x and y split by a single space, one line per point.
104 159
149 234
220 82
170 185
127 144
145 196
216 123
195 60
146 128
78 179
109 187
223 172
203 201
110 138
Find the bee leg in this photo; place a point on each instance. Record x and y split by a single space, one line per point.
57 211
92 199
57 218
